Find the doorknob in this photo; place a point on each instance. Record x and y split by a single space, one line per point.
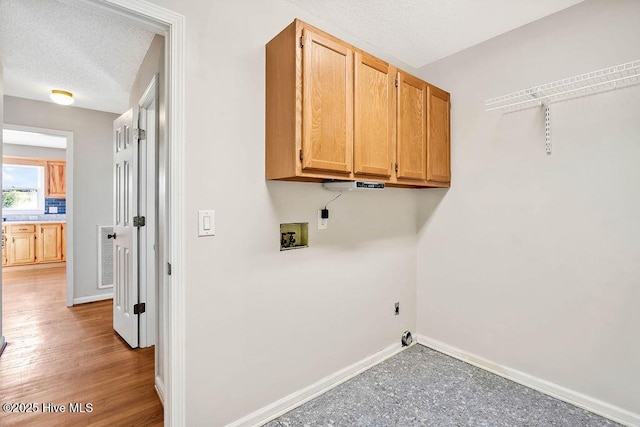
111 236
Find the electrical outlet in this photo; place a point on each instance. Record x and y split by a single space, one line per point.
322 222
397 312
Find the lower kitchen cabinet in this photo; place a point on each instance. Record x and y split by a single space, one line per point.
22 249
4 246
39 243
50 243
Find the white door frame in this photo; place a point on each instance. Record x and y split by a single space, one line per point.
171 25
69 196
148 250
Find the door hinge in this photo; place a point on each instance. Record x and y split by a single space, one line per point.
139 308
139 134
301 41
396 168
169 269
139 221
301 155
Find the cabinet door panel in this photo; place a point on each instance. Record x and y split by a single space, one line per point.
23 249
50 243
412 127
4 246
438 148
327 104
63 248
56 179
373 126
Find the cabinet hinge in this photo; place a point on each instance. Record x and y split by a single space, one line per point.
396 168
397 82
139 221
301 41
139 134
139 308
301 155
169 269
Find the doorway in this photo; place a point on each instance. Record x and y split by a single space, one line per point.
47 150
170 216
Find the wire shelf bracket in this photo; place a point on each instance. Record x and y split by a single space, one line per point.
584 84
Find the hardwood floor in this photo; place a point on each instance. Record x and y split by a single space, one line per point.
59 355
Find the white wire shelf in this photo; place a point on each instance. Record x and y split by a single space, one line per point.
618 76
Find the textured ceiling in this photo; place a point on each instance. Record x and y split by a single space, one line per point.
46 44
419 32
33 138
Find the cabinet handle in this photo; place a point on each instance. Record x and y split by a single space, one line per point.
13 240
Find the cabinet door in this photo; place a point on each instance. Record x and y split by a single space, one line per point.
327 104
438 143
412 127
22 249
50 243
373 118
63 232
56 175
4 246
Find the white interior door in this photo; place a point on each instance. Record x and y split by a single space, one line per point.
125 235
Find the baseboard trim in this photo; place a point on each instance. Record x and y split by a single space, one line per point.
39 266
300 397
583 401
160 390
3 344
92 298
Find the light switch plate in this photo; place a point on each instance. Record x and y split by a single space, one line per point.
206 223
322 222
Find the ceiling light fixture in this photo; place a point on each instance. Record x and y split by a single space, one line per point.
62 97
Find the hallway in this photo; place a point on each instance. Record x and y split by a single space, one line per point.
61 355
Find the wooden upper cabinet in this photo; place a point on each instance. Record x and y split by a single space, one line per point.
327 103
336 112
373 117
412 127
56 179
438 148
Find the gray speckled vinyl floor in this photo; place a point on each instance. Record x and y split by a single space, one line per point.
421 387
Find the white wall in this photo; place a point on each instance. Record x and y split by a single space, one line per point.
92 176
152 64
262 323
32 151
530 260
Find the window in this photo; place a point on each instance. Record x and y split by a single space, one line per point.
22 189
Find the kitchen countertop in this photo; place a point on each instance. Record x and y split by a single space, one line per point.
55 221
